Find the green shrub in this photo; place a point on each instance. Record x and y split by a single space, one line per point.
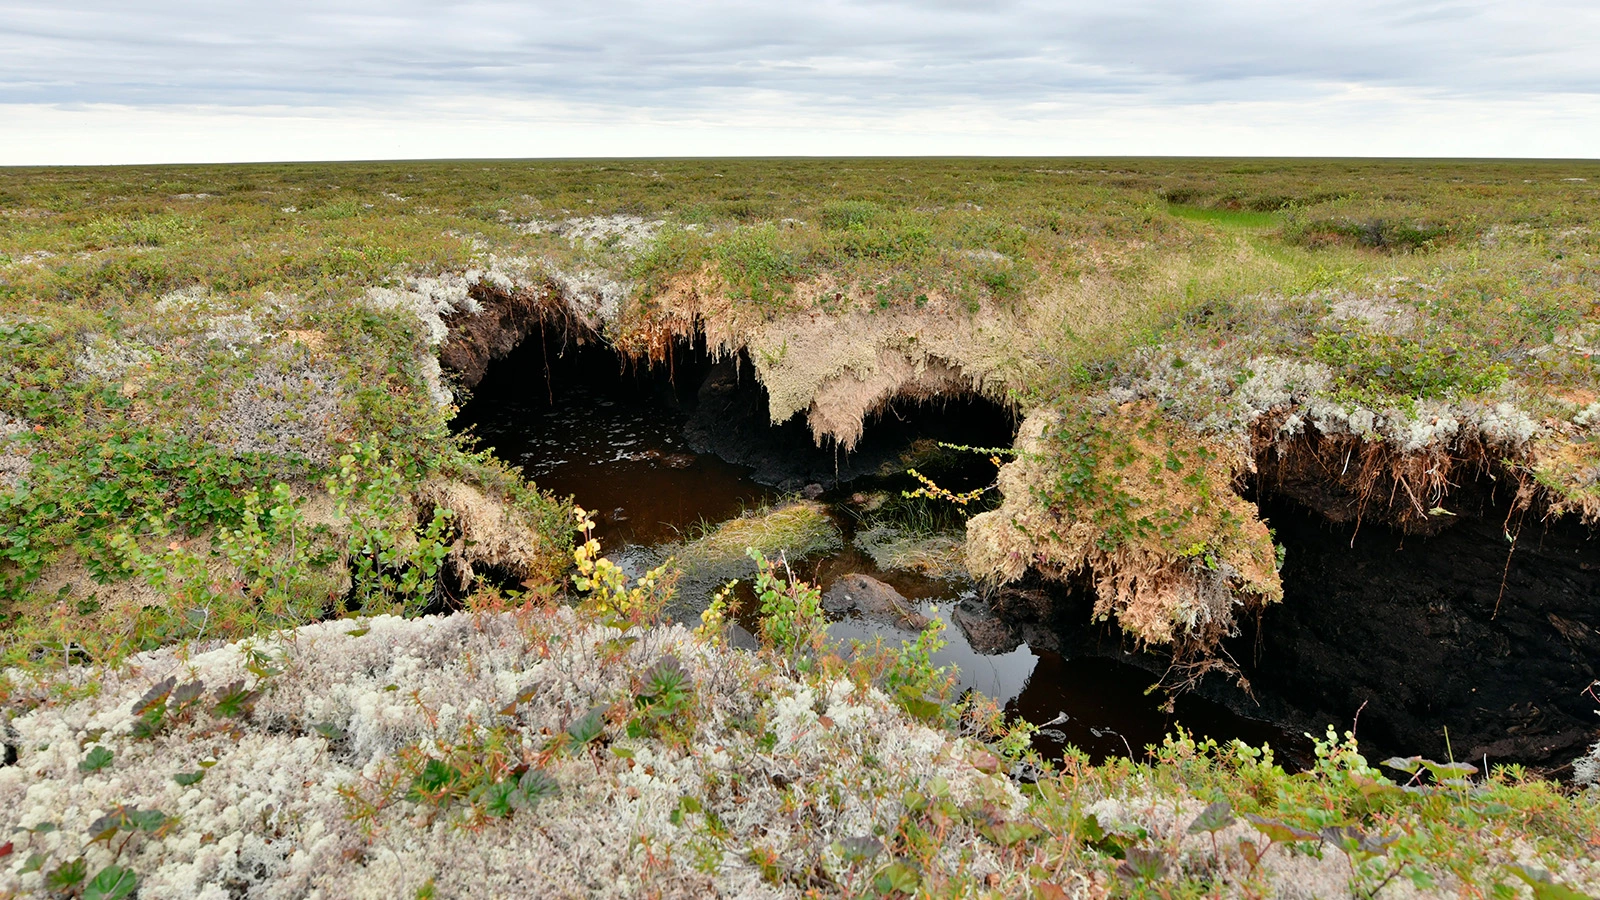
140 231
843 214
675 251
756 263
1373 368
792 623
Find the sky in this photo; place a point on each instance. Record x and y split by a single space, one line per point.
137 81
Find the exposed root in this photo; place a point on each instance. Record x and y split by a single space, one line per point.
843 404
840 370
1348 479
506 316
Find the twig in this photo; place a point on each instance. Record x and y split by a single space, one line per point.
1506 574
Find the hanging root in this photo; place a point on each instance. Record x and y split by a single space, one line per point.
1349 479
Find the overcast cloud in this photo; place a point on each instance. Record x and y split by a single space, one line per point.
150 81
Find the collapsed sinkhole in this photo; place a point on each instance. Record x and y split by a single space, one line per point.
1413 631
1480 639
1469 632
554 400
668 451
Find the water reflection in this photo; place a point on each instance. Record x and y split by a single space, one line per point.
617 447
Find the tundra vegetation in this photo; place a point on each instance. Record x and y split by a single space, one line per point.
270 627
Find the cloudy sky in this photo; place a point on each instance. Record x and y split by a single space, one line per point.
89 81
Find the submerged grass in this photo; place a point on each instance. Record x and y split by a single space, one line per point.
937 555
793 529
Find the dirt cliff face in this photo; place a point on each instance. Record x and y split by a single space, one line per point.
506 317
1459 630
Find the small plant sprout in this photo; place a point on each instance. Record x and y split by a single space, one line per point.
714 618
664 704
98 757
792 623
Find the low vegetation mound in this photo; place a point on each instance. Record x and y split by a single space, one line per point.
556 752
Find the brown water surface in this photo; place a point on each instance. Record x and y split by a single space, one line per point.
614 440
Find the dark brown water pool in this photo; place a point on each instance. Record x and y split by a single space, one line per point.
618 442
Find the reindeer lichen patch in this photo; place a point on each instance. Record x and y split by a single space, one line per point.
341 758
14 462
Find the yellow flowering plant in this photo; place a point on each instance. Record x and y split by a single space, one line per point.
605 585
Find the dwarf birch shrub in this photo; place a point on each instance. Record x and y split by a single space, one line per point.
605 586
393 563
792 623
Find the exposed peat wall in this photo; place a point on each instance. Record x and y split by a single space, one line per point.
1460 630
1414 633
537 347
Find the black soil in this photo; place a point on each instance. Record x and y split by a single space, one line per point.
1456 630
1415 634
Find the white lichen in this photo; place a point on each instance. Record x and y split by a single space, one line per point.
1586 768
1220 396
1588 417
110 359
1378 313
625 233
430 300
594 295
273 816
290 406
1505 425
14 462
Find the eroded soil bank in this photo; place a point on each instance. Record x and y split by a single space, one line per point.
1459 630
1415 634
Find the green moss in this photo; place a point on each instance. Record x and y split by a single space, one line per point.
937 555
793 530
